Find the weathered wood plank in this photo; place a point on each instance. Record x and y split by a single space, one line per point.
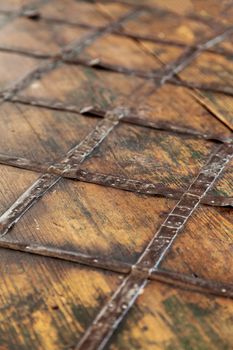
91 219
13 182
46 303
38 36
215 70
165 318
113 50
13 67
165 134
204 247
110 317
210 68
220 11
168 26
224 185
14 5
83 11
144 154
40 134
73 158
219 105
183 110
83 86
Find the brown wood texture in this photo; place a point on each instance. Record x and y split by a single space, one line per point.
116 175
48 303
166 318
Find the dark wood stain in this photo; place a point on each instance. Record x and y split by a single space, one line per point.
63 289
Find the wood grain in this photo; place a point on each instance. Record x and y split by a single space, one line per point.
183 110
13 182
93 220
43 37
97 89
210 68
207 231
14 5
13 67
168 26
141 153
219 105
224 185
41 134
48 303
84 87
113 49
83 11
168 318
215 70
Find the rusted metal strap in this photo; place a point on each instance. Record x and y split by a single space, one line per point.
67 255
37 73
41 55
193 283
109 180
25 201
101 330
25 52
122 32
131 118
157 76
69 55
71 50
98 64
66 52
188 203
72 160
225 90
187 57
177 280
167 42
81 151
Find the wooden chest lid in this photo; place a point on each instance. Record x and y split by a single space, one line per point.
116 122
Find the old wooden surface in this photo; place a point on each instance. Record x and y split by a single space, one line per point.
116 147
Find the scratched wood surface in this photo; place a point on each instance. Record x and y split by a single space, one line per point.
116 175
